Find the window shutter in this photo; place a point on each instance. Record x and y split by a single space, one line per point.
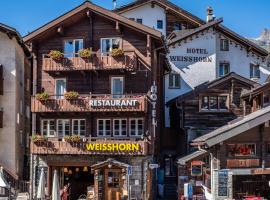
1 80
171 80
1 119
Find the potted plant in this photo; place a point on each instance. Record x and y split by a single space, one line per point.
67 138
42 96
85 53
75 138
56 55
71 95
117 52
39 138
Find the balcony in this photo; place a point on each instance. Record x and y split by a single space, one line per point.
91 103
243 163
97 61
91 147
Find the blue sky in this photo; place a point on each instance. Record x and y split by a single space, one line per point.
246 17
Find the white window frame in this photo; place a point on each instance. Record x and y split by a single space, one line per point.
120 127
111 44
174 81
64 132
48 128
104 127
253 75
136 127
55 88
222 44
117 77
73 50
79 126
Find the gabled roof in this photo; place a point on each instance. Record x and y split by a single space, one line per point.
191 156
12 32
97 10
256 91
111 162
231 130
222 29
165 4
208 85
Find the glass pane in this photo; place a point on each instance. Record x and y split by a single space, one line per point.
60 128
213 103
177 80
221 70
140 127
222 103
60 88
115 43
106 45
82 128
44 127
205 103
75 127
68 48
78 45
226 68
171 80
117 86
108 127
132 127
100 127
124 127
116 127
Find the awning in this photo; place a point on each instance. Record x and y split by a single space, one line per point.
3 182
190 157
110 161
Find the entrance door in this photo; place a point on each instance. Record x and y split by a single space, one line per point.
170 168
113 184
117 86
60 88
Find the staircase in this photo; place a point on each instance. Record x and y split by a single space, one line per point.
170 188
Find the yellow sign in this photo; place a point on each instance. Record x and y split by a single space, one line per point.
112 147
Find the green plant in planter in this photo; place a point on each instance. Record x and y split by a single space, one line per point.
85 53
71 95
42 96
39 138
56 55
67 138
117 52
75 138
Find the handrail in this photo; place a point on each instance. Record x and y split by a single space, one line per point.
119 96
108 54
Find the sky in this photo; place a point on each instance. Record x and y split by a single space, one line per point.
246 17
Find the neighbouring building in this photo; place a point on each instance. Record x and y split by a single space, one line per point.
232 162
15 90
96 103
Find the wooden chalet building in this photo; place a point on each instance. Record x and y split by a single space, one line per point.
96 103
232 161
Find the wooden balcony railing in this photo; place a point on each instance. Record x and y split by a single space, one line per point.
97 61
243 163
91 147
91 103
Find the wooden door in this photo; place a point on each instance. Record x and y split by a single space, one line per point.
113 184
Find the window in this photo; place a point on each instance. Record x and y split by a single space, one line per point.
104 127
174 81
72 47
139 20
133 19
237 150
136 127
79 127
113 179
214 103
177 26
254 71
48 127
266 98
107 44
224 68
117 86
60 88
159 24
224 45
63 127
120 127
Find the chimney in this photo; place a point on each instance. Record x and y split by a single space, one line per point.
114 4
210 16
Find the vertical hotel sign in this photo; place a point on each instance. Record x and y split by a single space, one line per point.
153 97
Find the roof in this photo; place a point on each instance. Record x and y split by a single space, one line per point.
256 91
191 156
165 4
12 32
222 29
109 161
219 81
98 10
231 130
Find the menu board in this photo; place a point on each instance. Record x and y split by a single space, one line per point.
223 183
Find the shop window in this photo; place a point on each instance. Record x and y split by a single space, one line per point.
79 127
159 24
63 127
120 127
224 68
255 71
107 44
136 127
174 81
140 21
104 127
48 127
114 179
214 103
238 150
72 47
224 45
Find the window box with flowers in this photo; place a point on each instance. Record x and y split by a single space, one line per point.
71 95
39 139
56 55
117 52
42 96
85 53
73 139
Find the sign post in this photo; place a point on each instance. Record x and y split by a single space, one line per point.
129 173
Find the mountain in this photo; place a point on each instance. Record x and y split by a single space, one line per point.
264 39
